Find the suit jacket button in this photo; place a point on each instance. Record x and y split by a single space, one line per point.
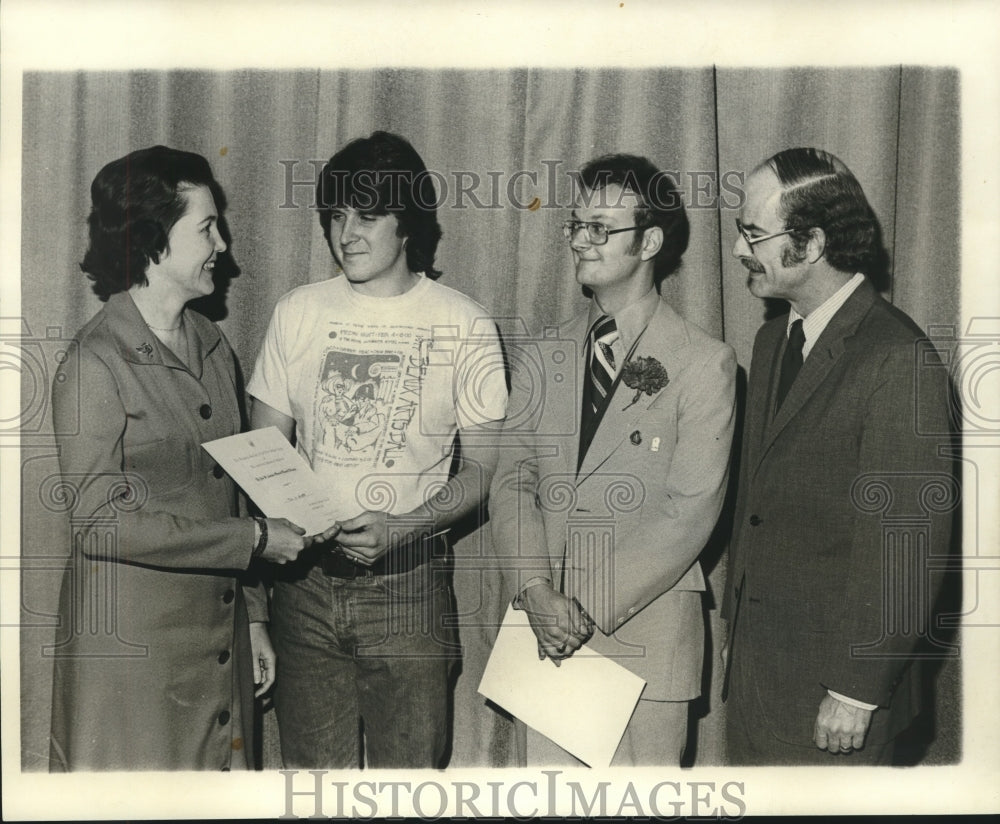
223 656
218 471
756 520
223 718
636 437
228 596
205 411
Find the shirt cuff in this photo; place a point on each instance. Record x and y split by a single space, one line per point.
518 601
852 702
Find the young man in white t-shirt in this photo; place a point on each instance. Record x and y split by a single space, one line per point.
373 375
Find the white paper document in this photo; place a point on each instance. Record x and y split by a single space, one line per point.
583 705
276 477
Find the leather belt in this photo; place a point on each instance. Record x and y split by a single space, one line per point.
404 558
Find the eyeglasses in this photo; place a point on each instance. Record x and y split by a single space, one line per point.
753 240
597 233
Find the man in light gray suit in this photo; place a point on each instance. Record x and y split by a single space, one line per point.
600 523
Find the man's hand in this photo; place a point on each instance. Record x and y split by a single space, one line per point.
284 541
840 727
326 535
264 658
365 538
559 624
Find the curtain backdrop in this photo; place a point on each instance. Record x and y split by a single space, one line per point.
519 132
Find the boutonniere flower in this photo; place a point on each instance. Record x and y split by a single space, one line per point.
644 375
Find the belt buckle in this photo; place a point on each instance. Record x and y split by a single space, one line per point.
351 568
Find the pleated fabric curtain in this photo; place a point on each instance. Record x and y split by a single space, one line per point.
507 136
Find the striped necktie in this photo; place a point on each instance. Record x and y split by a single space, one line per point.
602 361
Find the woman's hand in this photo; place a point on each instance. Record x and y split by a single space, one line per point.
284 541
264 659
327 534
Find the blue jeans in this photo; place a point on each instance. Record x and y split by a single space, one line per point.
369 650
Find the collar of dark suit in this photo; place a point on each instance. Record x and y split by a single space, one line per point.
840 327
825 353
845 321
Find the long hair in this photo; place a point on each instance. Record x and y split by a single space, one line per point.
383 174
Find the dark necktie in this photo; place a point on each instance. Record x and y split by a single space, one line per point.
791 361
600 380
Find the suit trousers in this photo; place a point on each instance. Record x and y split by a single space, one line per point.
655 736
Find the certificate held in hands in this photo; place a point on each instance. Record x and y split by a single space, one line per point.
276 477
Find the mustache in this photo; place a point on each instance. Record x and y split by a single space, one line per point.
752 265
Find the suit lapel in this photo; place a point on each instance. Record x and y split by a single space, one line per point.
762 389
576 330
664 339
822 358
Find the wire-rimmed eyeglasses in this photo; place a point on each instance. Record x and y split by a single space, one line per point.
752 240
597 233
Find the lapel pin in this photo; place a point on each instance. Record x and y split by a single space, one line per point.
655 445
636 437
145 349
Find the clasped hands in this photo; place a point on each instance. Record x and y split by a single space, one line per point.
363 539
559 622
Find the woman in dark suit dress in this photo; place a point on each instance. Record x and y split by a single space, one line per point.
160 643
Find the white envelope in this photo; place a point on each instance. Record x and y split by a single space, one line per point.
583 705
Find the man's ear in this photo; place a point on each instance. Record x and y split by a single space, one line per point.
652 240
816 247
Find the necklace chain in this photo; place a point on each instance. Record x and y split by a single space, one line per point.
170 329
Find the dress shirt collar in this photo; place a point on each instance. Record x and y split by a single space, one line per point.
813 326
630 321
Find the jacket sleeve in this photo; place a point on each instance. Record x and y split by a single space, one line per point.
889 592
515 516
92 464
653 558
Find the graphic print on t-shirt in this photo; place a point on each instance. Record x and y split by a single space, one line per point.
367 395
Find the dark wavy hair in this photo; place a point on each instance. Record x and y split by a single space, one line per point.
135 201
661 204
383 174
820 191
